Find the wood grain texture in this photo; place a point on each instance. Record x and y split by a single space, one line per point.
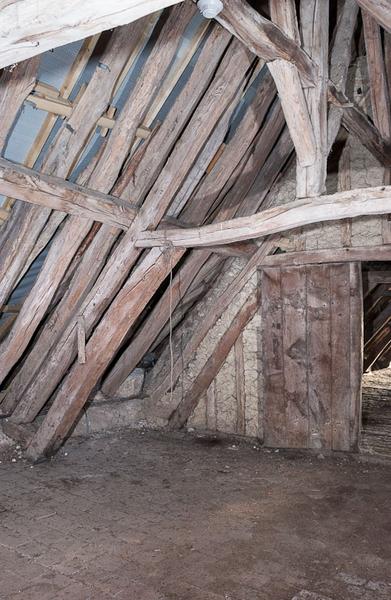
15 85
312 356
28 221
380 10
314 24
305 257
228 79
290 91
274 406
342 205
29 28
339 62
380 100
264 38
195 211
56 193
319 357
295 369
102 346
103 178
213 365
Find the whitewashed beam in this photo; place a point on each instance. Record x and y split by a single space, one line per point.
306 211
28 27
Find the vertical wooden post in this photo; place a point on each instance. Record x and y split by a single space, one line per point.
315 35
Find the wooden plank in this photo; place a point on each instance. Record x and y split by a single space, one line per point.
306 257
28 28
380 10
213 365
356 353
342 205
15 85
229 78
319 356
294 315
56 193
339 62
56 107
380 99
146 173
340 338
274 405
263 38
314 24
81 341
290 91
240 386
358 124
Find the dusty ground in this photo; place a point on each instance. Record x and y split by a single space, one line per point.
148 517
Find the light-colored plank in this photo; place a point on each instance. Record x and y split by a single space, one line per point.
342 205
28 27
290 91
314 24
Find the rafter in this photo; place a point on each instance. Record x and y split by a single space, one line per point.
380 10
264 38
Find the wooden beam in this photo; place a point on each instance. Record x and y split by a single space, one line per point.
306 257
61 109
358 124
380 10
264 38
340 60
342 205
213 365
56 193
15 85
380 99
290 91
314 24
28 28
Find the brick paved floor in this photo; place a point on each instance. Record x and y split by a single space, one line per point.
148 517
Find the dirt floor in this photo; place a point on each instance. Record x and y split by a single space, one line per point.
151 517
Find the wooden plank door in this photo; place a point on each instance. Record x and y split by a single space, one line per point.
312 356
